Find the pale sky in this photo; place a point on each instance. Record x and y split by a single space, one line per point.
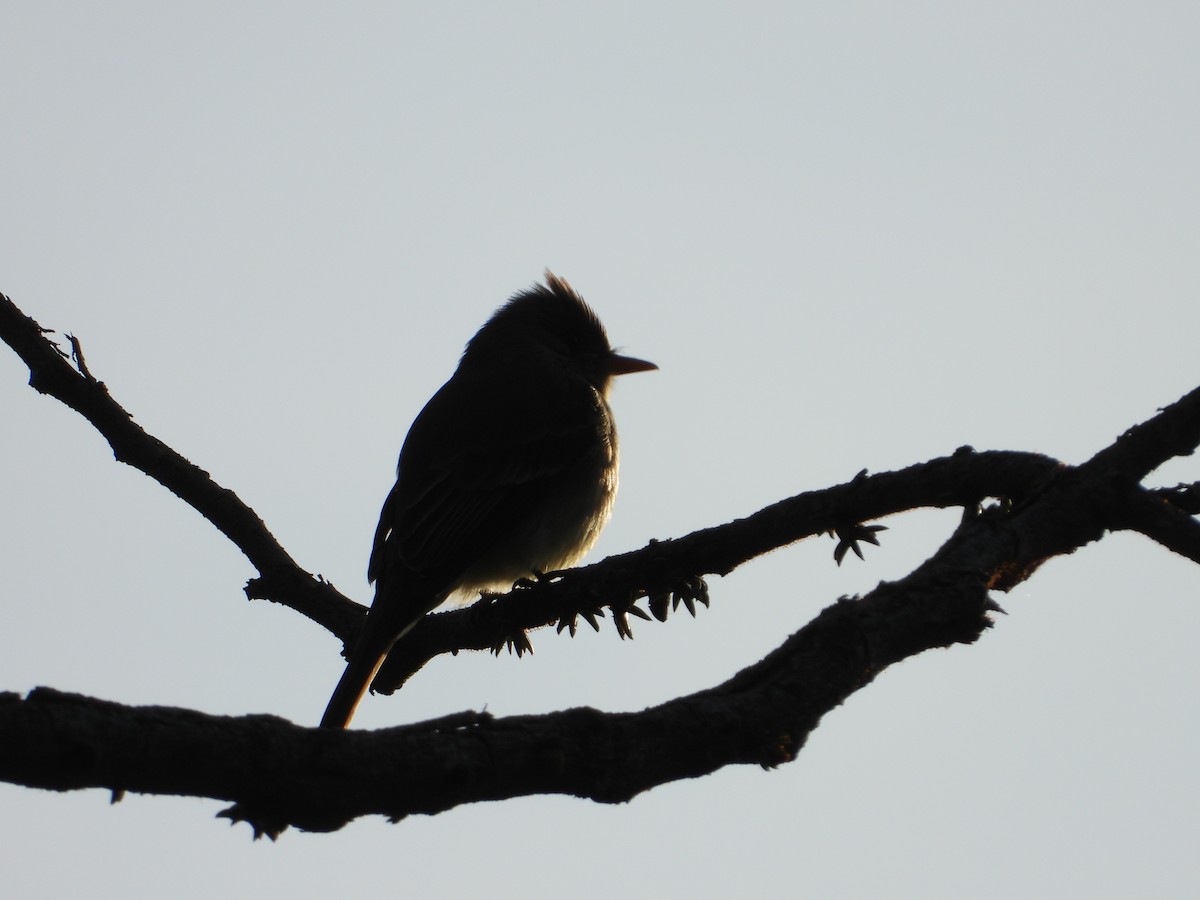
851 235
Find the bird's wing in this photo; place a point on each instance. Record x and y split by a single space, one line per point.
461 482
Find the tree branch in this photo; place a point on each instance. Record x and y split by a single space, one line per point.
51 372
672 566
279 774
662 570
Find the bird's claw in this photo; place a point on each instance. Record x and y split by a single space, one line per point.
528 584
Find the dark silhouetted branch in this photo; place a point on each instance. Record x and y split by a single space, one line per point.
1019 509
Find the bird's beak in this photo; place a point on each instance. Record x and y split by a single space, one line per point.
624 365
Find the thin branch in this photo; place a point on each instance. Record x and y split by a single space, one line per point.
667 566
51 372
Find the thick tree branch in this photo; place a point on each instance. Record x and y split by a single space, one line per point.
278 773
281 774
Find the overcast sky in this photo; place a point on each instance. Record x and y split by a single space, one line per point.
851 235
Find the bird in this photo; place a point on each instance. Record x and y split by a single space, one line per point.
510 470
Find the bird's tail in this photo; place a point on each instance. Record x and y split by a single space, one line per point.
360 672
381 630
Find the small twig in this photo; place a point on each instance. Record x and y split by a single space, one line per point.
77 357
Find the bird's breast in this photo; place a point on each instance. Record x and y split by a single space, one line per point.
558 531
